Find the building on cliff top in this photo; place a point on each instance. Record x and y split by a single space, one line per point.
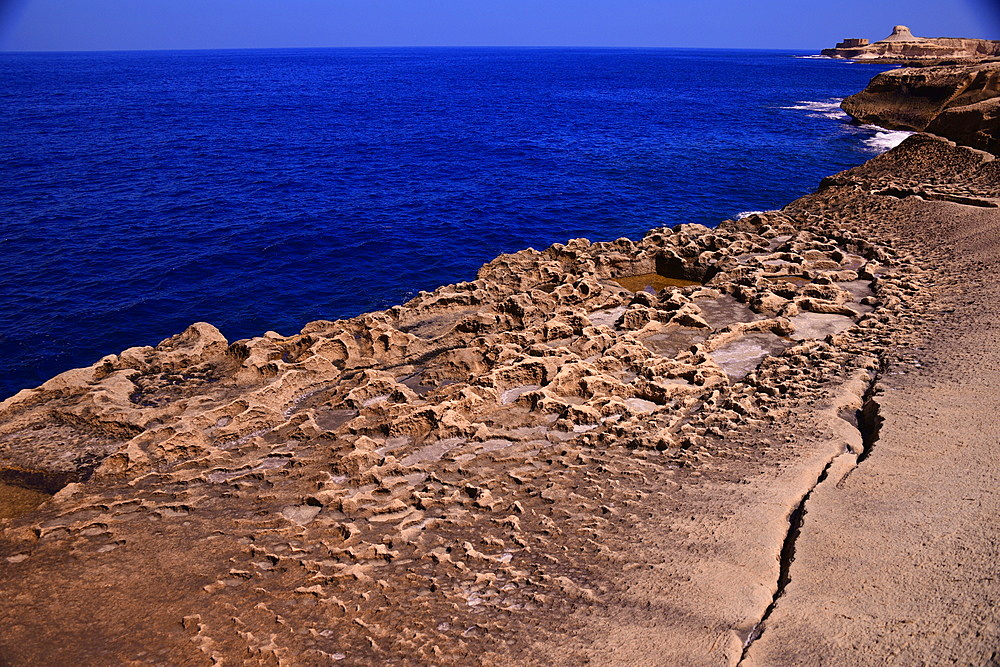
852 43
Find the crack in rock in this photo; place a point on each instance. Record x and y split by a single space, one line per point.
869 423
869 419
785 559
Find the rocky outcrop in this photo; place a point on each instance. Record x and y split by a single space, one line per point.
976 125
959 102
427 480
900 33
902 45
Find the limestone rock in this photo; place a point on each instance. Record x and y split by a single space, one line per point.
902 46
957 102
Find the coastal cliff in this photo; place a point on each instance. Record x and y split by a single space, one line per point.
594 452
902 46
959 102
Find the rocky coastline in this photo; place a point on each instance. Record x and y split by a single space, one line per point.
903 47
595 452
958 102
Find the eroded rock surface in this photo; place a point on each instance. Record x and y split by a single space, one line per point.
425 480
930 168
590 452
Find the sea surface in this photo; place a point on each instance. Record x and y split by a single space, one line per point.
259 190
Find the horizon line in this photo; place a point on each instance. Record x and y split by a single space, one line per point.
408 46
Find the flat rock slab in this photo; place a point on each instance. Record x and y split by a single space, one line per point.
898 562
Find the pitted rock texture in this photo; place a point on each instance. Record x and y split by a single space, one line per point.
958 102
543 347
895 560
930 168
477 475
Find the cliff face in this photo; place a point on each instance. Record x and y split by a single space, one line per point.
960 102
976 125
903 45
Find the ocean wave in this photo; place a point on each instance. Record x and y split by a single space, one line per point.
816 58
747 214
882 139
875 139
826 109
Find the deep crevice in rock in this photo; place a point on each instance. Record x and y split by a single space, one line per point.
869 420
785 559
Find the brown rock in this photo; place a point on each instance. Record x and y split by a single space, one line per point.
911 98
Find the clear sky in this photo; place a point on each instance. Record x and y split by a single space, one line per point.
808 25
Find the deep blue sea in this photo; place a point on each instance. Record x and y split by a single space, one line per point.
257 190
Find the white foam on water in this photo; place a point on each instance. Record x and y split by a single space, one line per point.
876 140
817 58
826 109
747 214
882 139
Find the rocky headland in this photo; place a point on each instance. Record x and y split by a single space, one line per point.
959 102
901 46
772 442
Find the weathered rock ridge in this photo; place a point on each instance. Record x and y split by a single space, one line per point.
902 46
441 453
959 102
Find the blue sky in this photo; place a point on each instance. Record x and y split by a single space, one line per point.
73 25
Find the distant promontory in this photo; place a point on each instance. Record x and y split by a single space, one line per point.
902 45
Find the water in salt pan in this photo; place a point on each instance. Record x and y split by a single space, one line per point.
670 341
652 282
744 354
641 405
301 514
514 393
725 310
495 444
859 289
434 451
819 325
606 316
